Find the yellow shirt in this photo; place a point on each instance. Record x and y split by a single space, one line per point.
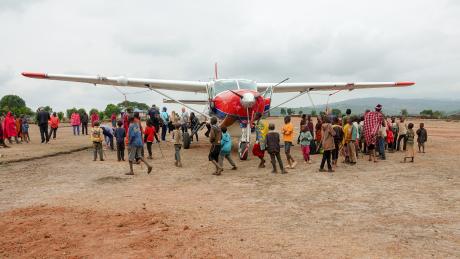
347 133
288 132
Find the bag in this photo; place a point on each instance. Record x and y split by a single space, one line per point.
96 134
338 134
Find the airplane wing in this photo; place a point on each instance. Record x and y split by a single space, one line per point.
198 102
302 87
175 85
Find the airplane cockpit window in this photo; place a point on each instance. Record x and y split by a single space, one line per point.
247 84
225 85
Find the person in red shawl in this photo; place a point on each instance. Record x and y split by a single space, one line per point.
9 128
2 136
372 124
94 118
113 119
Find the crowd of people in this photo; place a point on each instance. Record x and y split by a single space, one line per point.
336 138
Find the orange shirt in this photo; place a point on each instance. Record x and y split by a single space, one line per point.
288 132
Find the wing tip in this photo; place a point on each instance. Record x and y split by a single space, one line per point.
405 83
34 75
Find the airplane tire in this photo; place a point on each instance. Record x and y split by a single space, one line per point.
243 150
186 140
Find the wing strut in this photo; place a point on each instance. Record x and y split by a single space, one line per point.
290 99
178 101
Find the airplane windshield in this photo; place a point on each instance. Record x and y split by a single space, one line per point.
224 85
247 84
230 84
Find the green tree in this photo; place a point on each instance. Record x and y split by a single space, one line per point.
111 108
300 112
60 115
48 109
438 114
283 111
81 111
101 115
93 110
428 113
15 104
69 112
322 113
404 113
337 112
134 105
313 113
290 111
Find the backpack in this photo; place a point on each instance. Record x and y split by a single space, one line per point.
96 133
338 134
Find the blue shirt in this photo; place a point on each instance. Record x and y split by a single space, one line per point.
165 117
134 135
120 134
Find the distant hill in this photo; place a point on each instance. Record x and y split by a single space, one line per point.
391 106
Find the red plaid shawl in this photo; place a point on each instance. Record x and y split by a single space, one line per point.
372 123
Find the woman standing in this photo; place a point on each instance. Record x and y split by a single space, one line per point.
75 122
327 141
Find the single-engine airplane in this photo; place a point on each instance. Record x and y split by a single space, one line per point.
231 100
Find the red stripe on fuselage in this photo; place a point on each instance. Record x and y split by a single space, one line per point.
405 83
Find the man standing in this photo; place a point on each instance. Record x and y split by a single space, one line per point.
184 120
42 120
215 137
54 124
84 123
372 124
164 123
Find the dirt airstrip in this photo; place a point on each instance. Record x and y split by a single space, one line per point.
67 206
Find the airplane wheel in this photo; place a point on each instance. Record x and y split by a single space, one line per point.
186 140
243 150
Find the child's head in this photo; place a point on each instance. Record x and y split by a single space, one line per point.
213 120
131 119
336 120
287 119
119 123
224 129
410 126
304 128
422 125
149 123
136 115
304 116
271 126
54 114
97 123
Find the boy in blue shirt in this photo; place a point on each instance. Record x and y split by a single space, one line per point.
120 135
135 146
226 149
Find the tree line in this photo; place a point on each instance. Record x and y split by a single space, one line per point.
17 105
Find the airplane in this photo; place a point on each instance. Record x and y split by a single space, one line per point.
230 100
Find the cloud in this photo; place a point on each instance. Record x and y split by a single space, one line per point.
309 41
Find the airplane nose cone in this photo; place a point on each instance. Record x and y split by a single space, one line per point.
248 100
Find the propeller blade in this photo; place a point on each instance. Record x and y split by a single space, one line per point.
237 94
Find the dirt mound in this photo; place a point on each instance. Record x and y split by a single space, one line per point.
74 233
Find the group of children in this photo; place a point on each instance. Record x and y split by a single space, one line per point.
14 128
333 137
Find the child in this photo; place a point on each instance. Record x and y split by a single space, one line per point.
135 145
149 134
381 138
215 137
177 136
120 135
305 138
25 129
288 136
273 148
422 137
410 149
226 149
390 138
258 150
97 137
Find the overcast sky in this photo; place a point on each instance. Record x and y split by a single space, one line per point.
308 41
